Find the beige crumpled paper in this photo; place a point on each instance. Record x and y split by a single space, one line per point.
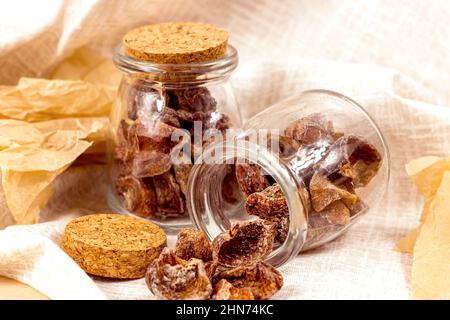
430 242
47 124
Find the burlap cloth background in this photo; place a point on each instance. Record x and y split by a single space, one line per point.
391 56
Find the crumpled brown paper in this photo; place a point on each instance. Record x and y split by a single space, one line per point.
46 124
430 241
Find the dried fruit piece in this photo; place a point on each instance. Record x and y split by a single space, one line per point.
139 195
287 146
168 195
310 129
250 178
319 228
353 158
173 278
211 268
336 213
153 133
126 146
192 99
224 290
268 203
230 187
193 244
244 244
150 163
281 227
182 175
323 192
262 279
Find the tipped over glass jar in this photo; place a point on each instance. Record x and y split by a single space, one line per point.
311 165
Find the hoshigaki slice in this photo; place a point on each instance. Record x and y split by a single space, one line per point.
354 158
268 203
310 129
191 99
250 178
323 193
169 198
336 213
244 244
138 194
150 163
172 278
193 243
262 279
224 290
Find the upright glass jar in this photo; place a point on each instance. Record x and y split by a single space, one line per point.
161 110
312 165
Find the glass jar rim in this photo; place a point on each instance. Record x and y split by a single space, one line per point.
289 183
221 66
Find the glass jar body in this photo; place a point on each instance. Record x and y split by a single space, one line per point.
158 123
312 165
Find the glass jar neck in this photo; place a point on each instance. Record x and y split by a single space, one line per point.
200 73
204 192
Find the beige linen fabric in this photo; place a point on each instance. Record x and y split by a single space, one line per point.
390 56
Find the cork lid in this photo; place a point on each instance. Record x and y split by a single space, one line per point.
176 43
113 245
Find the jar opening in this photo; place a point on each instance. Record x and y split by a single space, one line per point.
213 214
177 72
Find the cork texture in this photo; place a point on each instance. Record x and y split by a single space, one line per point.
113 245
176 43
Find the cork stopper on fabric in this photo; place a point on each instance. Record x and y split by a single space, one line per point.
176 43
113 245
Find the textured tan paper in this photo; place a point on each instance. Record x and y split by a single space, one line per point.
42 99
49 124
431 265
430 241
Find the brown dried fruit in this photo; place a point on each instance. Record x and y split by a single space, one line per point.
153 133
150 163
224 290
211 268
319 229
262 279
287 146
193 244
231 192
139 195
336 213
324 192
281 228
168 195
353 158
250 178
191 99
182 175
244 244
310 129
173 278
126 144
268 203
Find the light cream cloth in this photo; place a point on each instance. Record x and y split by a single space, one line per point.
392 57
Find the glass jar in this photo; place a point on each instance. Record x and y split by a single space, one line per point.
161 109
312 165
